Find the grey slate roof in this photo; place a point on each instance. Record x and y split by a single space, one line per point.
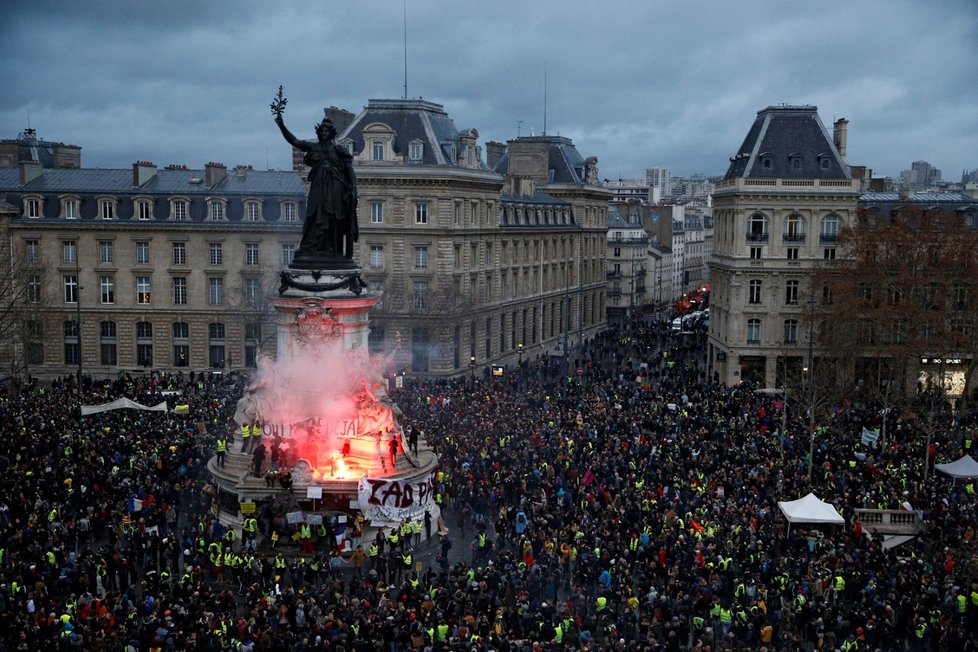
538 197
167 182
617 221
411 120
563 159
779 135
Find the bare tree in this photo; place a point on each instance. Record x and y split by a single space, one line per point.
252 298
23 282
903 293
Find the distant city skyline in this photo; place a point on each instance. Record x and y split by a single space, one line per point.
638 84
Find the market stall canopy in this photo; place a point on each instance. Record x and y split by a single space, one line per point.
810 510
966 467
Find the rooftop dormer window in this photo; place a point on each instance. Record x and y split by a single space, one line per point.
794 161
415 150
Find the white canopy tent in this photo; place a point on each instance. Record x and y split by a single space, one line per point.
810 510
966 467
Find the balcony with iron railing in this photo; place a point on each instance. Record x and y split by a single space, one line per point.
828 238
793 238
757 237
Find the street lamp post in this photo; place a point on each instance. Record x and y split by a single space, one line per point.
811 384
472 366
519 347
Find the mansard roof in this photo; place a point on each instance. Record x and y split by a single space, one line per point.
788 142
565 164
411 120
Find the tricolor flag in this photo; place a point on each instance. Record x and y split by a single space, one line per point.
135 505
339 533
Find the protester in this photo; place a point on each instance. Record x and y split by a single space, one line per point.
631 507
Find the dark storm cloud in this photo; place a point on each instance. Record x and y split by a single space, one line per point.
635 83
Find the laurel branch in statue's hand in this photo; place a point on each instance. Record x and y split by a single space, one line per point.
278 104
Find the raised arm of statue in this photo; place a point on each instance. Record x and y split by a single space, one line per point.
278 108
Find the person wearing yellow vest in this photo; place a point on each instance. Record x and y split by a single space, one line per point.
726 619
245 437
305 538
222 450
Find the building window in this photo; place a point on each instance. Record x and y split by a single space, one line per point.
71 342
755 253
32 249
144 343
216 253
106 286
617 252
289 212
792 253
215 293
69 251
143 209
35 342
142 289
790 331
107 348
215 336
71 288
71 209
830 229
828 253
179 210
791 292
377 149
181 344
376 212
420 295
288 254
753 331
794 228
376 256
754 296
757 228
252 211
179 290
421 258
33 208
142 253
421 213
251 253
252 340
458 213
415 151
34 288
106 209
105 251
252 291
179 253
215 209
375 340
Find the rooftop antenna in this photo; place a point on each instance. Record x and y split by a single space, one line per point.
519 128
28 117
405 50
545 98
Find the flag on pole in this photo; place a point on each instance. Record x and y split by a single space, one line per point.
135 505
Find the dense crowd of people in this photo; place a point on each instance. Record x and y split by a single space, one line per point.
629 507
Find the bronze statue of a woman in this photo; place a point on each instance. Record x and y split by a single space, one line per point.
330 227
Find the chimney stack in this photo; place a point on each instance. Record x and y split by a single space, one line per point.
142 171
494 153
214 173
30 170
839 137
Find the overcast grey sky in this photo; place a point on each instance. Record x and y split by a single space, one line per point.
637 83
